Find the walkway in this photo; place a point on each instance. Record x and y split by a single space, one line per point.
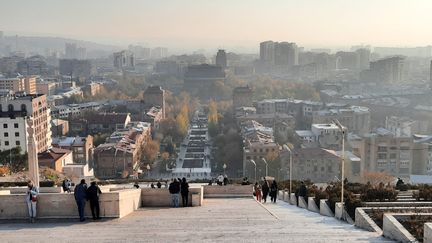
219 220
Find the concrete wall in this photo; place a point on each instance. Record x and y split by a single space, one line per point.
23 190
362 220
302 203
325 209
286 197
312 205
427 236
63 205
394 230
151 197
227 191
293 199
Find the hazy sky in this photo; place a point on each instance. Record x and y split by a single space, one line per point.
223 23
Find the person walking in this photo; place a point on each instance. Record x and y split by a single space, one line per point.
174 189
302 191
258 193
273 191
159 184
93 193
80 194
265 191
185 192
225 181
31 200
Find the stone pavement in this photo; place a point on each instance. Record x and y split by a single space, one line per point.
219 220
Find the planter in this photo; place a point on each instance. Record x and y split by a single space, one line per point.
293 199
302 202
362 220
394 230
286 196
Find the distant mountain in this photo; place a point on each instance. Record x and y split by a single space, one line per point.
32 44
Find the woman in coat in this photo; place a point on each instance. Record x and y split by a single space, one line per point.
258 193
31 200
265 191
273 191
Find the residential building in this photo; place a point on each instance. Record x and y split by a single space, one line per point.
82 148
35 65
14 110
385 71
59 127
55 158
402 126
70 110
47 88
19 84
327 136
121 155
159 52
75 68
98 123
315 164
422 155
124 60
355 118
200 79
155 96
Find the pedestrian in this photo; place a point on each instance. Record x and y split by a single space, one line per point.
302 192
93 193
68 186
152 185
225 181
273 191
258 193
64 185
136 185
80 194
265 191
185 192
159 184
31 200
174 189
220 180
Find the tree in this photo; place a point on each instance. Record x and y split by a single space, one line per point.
182 121
150 151
14 159
376 178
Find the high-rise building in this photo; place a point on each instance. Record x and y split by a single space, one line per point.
35 65
430 74
221 59
14 110
388 70
285 54
75 67
363 56
159 52
267 51
124 60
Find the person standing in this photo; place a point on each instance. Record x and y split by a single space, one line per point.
220 180
93 193
265 191
159 184
185 192
225 181
174 189
257 189
80 194
31 200
273 191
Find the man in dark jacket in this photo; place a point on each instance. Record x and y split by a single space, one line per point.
174 189
265 190
93 193
80 194
302 192
185 192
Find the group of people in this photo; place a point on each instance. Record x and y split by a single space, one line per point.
82 194
152 185
263 190
179 187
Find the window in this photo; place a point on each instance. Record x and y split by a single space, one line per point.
393 156
15 125
17 134
5 125
6 143
17 143
10 108
382 156
6 134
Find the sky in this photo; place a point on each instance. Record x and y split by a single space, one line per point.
224 23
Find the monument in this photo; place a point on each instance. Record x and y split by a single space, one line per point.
33 164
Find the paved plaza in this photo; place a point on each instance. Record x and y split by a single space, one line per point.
219 220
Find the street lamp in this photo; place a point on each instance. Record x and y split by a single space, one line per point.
265 161
224 167
253 162
341 128
290 172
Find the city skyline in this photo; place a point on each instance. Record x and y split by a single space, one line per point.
225 24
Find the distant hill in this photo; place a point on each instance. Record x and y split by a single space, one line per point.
32 44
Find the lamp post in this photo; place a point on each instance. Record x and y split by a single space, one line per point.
253 162
265 161
290 171
224 167
341 128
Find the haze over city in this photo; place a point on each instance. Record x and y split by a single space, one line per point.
188 24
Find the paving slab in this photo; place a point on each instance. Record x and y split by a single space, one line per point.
218 220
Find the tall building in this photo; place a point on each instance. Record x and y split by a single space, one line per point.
363 56
267 51
35 65
221 59
200 79
19 84
159 52
430 74
124 60
285 54
70 51
14 110
155 96
388 70
75 67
